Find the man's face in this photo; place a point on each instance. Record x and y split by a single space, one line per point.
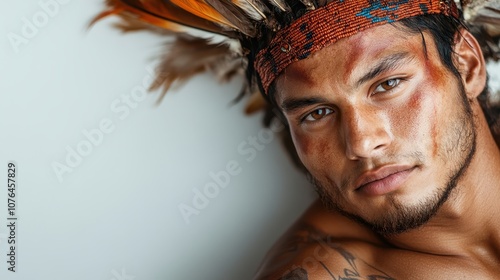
384 129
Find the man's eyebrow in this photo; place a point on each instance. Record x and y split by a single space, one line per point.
293 104
391 62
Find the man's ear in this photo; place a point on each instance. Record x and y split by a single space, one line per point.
470 63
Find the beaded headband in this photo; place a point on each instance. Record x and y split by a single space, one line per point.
338 19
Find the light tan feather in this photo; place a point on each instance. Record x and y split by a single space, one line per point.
254 8
255 103
281 4
188 56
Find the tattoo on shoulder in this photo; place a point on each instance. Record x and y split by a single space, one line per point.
296 274
349 272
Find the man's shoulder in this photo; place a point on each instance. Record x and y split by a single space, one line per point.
312 250
311 254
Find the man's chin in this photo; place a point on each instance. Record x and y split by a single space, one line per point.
394 216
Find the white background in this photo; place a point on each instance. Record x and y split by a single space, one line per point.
116 215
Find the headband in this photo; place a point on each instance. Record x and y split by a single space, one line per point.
338 19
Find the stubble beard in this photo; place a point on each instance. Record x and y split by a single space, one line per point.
402 218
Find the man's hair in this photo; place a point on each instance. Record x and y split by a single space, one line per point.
443 29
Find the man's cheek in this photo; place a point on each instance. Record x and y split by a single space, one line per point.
415 118
315 152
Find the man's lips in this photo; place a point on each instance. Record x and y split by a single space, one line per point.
383 180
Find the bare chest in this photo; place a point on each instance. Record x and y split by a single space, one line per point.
339 262
409 265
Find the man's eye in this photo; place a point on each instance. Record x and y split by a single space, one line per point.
318 114
387 85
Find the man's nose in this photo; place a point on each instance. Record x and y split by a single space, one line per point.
367 132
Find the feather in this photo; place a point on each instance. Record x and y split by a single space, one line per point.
188 56
162 14
281 4
258 11
234 15
204 45
166 27
472 9
489 15
163 17
107 13
254 8
227 67
321 3
483 18
309 4
255 103
202 10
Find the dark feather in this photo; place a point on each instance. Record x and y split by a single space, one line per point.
281 5
310 5
234 15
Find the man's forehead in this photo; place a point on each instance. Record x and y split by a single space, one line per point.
372 42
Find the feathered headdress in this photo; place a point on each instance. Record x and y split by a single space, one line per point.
259 38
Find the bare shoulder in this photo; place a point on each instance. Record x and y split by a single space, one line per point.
312 249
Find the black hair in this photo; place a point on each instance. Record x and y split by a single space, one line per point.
444 30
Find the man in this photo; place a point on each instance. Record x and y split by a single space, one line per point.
384 101
402 156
